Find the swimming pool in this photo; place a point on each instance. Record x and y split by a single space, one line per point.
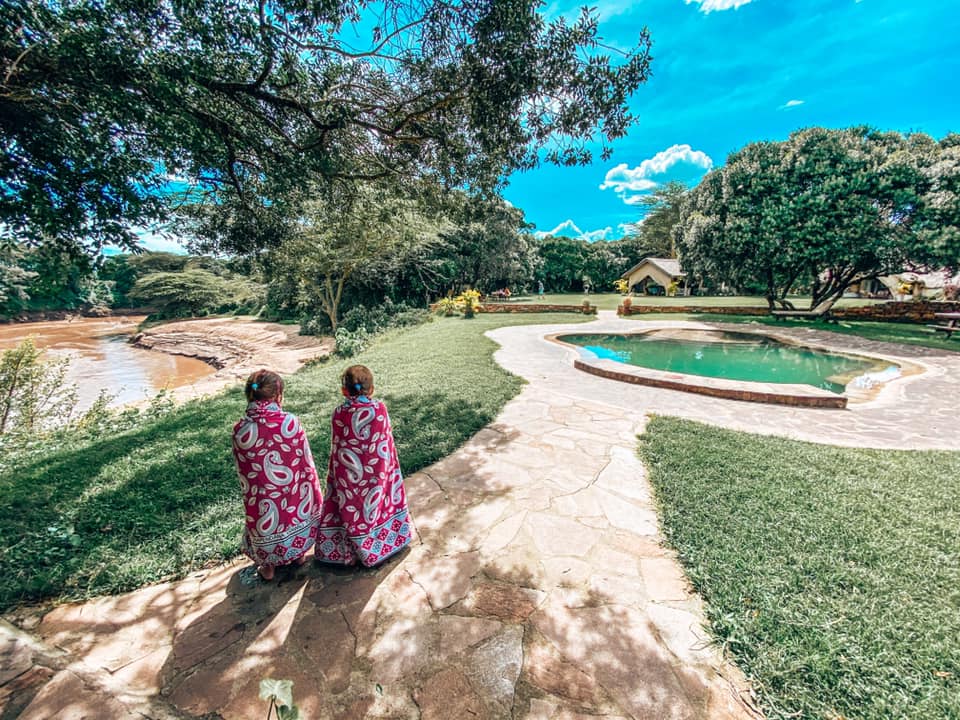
728 355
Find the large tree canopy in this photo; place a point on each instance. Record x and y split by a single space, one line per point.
99 99
822 210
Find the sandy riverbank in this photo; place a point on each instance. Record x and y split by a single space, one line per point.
236 346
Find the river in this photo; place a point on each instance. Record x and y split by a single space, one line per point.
102 358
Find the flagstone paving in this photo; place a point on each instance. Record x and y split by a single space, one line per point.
537 586
914 412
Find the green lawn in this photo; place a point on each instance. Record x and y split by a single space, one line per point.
161 498
609 301
832 575
907 333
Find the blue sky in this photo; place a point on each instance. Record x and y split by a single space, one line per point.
730 72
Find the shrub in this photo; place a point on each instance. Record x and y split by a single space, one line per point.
34 393
469 302
351 342
371 318
446 306
315 325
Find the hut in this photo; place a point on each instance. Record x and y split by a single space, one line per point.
657 276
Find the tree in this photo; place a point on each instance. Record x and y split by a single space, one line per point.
195 291
561 262
98 101
655 233
486 246
822 210
14 279
346 228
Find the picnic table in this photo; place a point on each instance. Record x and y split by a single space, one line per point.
950 323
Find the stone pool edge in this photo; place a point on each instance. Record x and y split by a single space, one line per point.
793 395
678 381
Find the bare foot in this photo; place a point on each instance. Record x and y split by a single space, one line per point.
266 572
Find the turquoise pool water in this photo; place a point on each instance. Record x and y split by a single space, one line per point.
734 356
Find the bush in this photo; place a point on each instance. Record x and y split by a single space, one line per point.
351 342
34 393
372 319
315 325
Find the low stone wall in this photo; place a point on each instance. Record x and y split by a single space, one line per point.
529 308
916 311
536 308
691 309
907 311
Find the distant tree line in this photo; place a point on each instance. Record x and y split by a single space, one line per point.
170 285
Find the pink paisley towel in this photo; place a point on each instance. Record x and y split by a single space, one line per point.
364 512
281 490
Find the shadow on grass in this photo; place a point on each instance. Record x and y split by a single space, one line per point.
158 501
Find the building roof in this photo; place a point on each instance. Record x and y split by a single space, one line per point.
668 265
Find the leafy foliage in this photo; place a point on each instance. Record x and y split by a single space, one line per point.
195 291
252 99
279 693
33 392
823 210
655 236
565 262
14 279
341 232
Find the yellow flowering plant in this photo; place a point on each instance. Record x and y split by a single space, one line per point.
469 302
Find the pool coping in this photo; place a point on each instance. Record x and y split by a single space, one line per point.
791 394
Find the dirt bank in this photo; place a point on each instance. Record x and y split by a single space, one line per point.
235 346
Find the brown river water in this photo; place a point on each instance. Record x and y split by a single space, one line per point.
101 357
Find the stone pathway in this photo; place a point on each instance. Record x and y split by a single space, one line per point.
537 587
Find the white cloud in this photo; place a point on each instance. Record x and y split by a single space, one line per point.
707 6
566 225
568 228
627 181
594 235
790 104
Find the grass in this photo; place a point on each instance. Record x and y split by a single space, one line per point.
159 499
906 333
831 574
609 301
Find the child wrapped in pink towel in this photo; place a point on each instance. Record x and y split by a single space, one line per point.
281 489
364 516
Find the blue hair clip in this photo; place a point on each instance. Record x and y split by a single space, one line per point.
254 386
358 386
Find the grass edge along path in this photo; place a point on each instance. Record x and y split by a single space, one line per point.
160 498
832 575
